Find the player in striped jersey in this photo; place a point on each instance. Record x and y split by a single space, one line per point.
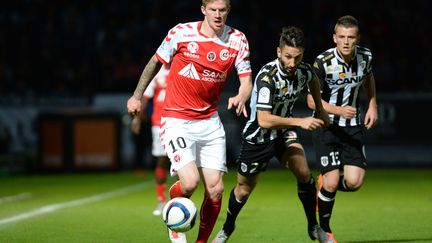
271 130
343 71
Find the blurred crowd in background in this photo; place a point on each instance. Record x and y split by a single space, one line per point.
84 47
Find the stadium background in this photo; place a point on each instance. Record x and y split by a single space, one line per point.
68 67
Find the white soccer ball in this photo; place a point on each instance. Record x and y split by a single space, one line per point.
179 214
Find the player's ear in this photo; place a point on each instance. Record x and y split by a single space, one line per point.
334 38
203 10
279 52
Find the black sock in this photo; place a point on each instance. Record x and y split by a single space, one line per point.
233 210
307 194
326 201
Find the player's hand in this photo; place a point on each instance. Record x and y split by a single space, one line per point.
136 125
371 117
133 106
239 104
311 123
348 112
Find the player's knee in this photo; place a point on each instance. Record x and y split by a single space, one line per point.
354 185
243 192
189 186
331 185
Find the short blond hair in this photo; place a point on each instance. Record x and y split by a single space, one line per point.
205 2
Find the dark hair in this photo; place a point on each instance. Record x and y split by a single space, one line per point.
347 21
291 36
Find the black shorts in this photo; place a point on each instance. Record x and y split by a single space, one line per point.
254 158
337 146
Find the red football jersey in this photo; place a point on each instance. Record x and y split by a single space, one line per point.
156 90
199 68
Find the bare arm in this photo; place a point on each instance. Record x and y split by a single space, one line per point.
371 116
346 112
270 121
242 97
150 70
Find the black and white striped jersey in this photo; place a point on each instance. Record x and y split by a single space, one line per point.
341 82
274 91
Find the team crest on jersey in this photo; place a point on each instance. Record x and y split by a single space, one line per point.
342 75
193 47
363 64
211 56
177 158
243 167
324 161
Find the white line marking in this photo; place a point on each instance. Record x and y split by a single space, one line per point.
74 203
15 198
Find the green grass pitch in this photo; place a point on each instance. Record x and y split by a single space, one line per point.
394 205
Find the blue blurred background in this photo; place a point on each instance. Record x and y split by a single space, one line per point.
67 69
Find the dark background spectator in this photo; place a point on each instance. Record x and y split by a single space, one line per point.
80 48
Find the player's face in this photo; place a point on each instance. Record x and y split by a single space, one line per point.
290 57
216 14
346 39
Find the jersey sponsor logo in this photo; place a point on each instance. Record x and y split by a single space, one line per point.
286 97
189 72
264 95
234 44
211 56
324 161
328 57
224 55
212 76
341 81
334 69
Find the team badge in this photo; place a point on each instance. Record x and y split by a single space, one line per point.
177 158
192 47
211 56
243 167
324 161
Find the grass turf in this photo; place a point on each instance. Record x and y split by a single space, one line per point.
394 205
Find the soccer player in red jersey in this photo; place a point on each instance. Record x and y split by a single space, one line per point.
201 55
156 93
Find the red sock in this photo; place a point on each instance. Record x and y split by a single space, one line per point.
160 174
208 215
160 192
176 191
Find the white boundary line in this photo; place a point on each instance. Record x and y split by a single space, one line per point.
74 203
